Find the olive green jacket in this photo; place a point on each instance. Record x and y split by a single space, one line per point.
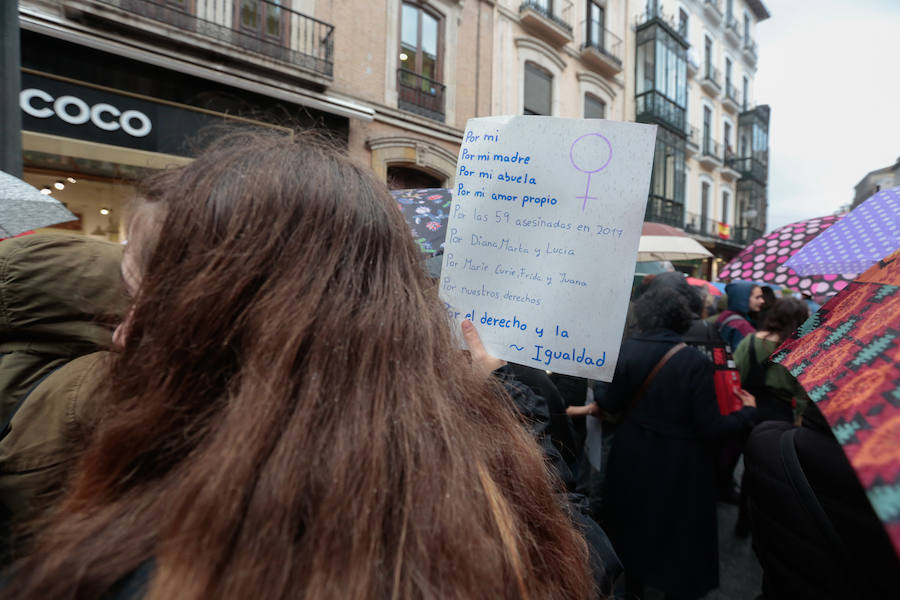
60 297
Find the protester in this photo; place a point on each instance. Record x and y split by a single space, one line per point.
660 495
769 299
775 389
814 530
734 323
289 415
60 297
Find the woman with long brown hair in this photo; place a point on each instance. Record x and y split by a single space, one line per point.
289 413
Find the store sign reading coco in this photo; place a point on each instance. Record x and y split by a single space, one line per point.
73 110
63 107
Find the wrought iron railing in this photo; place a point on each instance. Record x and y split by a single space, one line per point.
611 45
692 64
750 48
711 74
264 27
654 106
731 24
694 223
421 95
657 13
732 93
750 168
693 136
715 5
711 148
745 235
545 11
664 210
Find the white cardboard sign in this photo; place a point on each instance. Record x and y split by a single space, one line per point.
543 236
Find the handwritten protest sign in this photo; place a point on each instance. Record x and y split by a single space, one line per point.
542 237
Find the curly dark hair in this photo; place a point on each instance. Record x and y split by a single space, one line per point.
662 307
786 315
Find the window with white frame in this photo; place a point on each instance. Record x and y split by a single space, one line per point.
538 92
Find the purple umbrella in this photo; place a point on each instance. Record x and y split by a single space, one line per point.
859 240
426 211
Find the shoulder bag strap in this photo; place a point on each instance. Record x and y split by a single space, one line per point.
729 319
644 386
807 496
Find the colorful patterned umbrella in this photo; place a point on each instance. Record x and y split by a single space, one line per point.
764 260
855 243
426 211
847 356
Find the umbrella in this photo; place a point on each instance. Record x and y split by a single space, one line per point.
426 211
764 260
847 356
663 242
856 242
23 207
702 283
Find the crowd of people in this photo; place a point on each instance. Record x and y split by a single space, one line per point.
260 395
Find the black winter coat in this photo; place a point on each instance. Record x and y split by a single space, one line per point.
799 561
660 498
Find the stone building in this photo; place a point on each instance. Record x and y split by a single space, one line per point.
875 181
111 88
691 67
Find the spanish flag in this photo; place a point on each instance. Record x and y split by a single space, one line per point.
724 231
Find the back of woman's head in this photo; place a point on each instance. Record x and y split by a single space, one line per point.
291 416
786 315
662 307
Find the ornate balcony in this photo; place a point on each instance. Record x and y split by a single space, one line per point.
700 225
420 95
732 30
539 17
749 168
728 171
258 33
693 67
653 107
710 81
692 142
750 51
663 210
731 101
606 55
713 8
745 235
711 154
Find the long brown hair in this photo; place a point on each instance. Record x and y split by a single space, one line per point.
291 416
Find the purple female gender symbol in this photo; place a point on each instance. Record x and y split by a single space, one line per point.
589 172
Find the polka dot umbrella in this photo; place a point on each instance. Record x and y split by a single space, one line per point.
764 259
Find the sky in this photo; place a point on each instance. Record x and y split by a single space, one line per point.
830 70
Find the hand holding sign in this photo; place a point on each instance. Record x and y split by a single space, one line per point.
541 260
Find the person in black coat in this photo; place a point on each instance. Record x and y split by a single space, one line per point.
660 498
839 550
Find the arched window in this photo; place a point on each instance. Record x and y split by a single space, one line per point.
594 107
538 90
408 178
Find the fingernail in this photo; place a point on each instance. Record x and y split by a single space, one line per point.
467 324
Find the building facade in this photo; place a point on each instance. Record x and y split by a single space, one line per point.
561 58
691 67
112 88
875 181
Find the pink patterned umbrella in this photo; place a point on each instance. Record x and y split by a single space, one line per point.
764 259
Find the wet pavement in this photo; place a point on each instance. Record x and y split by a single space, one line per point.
740 576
